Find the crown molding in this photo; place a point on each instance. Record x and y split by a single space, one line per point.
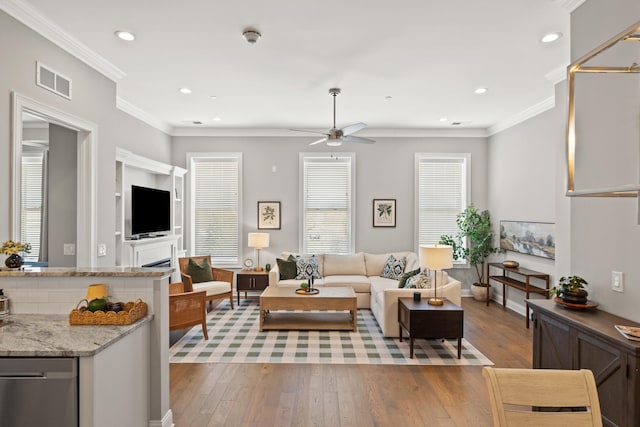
569 5
140 114
522 116
33 19
377 133
558 75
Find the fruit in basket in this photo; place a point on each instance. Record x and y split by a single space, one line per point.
97 304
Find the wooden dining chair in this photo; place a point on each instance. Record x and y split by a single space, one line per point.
187 309
543 397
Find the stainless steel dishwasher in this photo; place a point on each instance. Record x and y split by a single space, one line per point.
38 392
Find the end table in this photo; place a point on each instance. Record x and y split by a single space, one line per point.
248 280
422 320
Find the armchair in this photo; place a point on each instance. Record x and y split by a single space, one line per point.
219 287
187 308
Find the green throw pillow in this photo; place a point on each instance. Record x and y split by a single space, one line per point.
405 276
200 272
287 267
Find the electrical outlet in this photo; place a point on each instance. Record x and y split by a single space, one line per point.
617 282
102 249
69 248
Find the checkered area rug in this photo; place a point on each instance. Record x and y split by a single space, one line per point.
235 337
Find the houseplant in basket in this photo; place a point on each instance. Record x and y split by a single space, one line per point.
475 228
571 290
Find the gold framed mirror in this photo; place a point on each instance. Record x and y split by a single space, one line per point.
606 70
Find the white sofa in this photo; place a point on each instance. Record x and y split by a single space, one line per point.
362 272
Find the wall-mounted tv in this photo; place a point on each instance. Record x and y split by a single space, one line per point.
150 211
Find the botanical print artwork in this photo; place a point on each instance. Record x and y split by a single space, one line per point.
269 215
531 238
384 213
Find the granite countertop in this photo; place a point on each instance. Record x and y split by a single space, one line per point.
51 335
88 271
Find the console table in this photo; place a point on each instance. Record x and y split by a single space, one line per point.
523 282
571 339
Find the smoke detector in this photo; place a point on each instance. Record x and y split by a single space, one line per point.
251 35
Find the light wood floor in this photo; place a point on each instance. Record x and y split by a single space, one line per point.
354 395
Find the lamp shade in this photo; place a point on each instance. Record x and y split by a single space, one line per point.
436 257
97 291
258 240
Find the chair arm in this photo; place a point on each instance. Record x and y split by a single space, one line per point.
187 281
186 307
222 275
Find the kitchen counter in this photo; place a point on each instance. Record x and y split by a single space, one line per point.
51 335
85 272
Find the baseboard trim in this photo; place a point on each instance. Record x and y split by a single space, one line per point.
166 421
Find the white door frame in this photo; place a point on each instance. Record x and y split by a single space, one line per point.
86 247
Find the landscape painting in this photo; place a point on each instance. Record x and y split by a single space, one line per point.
531 238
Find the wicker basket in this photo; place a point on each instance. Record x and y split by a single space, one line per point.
131 312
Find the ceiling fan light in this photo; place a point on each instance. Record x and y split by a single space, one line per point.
334 142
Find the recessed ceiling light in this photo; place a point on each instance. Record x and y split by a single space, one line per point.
388 97
185 90
213 97
481 90
216 119
550 37
443 119
125 35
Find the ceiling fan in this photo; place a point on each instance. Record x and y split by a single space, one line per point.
335 137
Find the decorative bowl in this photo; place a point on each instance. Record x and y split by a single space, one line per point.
511 264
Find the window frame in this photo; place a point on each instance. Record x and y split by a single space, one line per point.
192 158
466 197
352 202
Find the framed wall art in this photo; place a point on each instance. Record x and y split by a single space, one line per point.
531 238
268 215
384 212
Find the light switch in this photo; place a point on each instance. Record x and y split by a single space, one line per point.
102 249
69 249
617 282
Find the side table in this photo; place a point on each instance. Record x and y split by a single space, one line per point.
422 320
251 281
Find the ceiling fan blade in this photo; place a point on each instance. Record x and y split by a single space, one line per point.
353 128
310 131
350 138
318 141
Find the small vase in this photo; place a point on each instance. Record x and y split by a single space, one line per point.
14 261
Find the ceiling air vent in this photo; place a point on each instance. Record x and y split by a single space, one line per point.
53 81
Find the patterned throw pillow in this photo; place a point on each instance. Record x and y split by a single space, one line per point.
419 281
307 268
406 276
394 268
200 272
288 267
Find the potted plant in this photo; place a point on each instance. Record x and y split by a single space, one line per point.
13 249
475 228
571 290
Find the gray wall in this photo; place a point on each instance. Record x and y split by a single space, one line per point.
63 181
94 99
383 170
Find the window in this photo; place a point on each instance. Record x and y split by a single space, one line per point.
442 187
215 189
327 203
32 202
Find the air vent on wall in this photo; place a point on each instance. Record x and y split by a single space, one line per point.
52 80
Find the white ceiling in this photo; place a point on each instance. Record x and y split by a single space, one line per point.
427 55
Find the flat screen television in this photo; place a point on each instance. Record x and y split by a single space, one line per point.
150 211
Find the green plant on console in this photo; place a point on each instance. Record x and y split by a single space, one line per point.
475 228
567 285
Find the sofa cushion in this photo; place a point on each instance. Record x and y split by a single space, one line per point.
375 263
335 265
307 267
357 282
287 267
394 268
407 275
319 258
199 272
212 288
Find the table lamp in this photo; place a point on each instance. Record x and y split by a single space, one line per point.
258 241
436 257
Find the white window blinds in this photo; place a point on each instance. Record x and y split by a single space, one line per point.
32 202
442 193
215 186
327 203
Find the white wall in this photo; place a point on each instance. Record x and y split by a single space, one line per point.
383 170
94 100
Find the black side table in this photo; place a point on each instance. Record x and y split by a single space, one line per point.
251 281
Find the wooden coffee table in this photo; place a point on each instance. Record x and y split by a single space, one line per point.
422 320
306 317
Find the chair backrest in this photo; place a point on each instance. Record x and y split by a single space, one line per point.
183 263
537 396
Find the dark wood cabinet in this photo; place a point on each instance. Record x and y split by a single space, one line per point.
251 281
569 339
